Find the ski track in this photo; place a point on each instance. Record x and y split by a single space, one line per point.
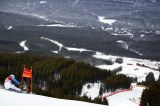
70 25
23 45
126 98
53 41
67 48
123 44
77 49
8 98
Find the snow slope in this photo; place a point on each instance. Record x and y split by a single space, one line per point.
9 27
53 41
65 47
91 90
8 98
122 44
127 98
130 67
106 21
70 25
77 49
23 45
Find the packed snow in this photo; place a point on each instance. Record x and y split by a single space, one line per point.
122 44
91 90
65 47
137 52
9 98
56 52
142 35
136 68
70 25
43 2
127 98
77 49
107 29
9 27
157 32
53 41
106 21
23 45
39 16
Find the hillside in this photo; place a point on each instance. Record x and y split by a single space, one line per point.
17 99
128 98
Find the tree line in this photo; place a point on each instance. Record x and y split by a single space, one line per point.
150 96
59 77
52 76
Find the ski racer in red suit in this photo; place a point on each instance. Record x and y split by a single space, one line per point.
10 83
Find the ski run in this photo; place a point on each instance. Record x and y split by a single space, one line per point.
8 98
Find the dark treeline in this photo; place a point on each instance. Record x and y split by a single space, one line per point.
54 77
151 95
115 82
59 77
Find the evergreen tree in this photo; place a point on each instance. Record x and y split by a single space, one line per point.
150 96
150 78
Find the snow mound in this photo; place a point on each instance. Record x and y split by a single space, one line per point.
91 90
17 99
23 45
127 98
43 2
56 52
106 21
9 27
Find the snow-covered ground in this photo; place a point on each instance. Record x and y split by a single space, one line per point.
91 90
70 25
130 67
122 44
102 19
157 32
39 16
77 49
43 2
8 98
9 27
23 45
53 41
127 98
56 52
65 47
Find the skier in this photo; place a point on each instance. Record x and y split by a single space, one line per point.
10 83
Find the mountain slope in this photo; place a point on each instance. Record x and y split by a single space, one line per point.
128 98
17 99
